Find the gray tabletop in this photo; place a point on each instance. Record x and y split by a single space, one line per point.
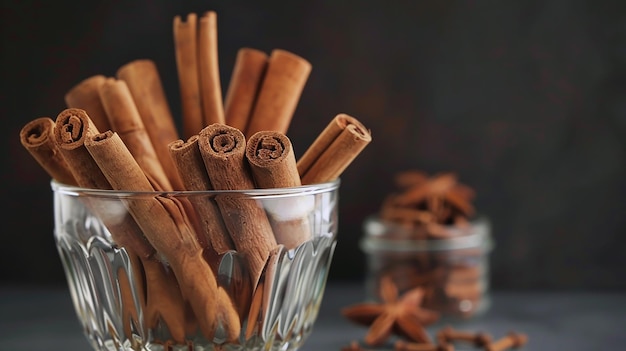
38 318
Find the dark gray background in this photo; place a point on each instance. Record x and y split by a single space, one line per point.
524 100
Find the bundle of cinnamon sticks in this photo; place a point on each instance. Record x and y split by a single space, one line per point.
119 133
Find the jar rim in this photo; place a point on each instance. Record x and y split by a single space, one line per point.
479 237
309 189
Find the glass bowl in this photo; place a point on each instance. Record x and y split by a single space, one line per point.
196 270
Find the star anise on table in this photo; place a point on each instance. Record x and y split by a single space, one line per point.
401 315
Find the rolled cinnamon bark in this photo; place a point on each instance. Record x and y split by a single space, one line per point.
272 160
73 127
127 123
333 150
208 66
165 225
190 165
37 137
85 96
223 151
164 300
280 91
273 164
144 83
185 42
244 85
262 298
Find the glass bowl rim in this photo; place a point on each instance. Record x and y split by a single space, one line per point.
309 189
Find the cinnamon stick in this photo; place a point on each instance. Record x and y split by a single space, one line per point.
72 127
144 83
208 66
261 301
185 41
280 91
164 300
333 150
37 137
245 82
164 223
272 160
85 96
190 165
126 121
273 164
223 151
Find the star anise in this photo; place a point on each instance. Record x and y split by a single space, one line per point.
401 315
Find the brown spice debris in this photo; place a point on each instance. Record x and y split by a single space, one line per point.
354 346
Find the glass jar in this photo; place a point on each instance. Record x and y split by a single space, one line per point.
453 271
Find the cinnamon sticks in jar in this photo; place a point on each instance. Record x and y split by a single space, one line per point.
72 128
164 222
118 133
